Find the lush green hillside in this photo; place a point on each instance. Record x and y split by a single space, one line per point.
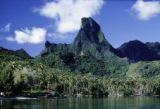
30 78
144 70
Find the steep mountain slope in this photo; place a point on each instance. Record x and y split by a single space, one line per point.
90 39
137 51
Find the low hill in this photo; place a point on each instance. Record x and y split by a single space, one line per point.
6 54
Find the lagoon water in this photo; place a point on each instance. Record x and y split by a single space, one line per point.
83 103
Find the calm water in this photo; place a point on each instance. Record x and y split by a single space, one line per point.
84 103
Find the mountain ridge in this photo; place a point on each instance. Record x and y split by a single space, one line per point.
90 39
21 53
136 51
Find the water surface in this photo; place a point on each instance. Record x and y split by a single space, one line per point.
83 103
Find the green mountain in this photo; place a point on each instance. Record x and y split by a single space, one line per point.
89 53
90 39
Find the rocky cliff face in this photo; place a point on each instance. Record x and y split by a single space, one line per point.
90 39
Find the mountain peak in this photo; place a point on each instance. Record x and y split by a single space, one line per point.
22 53
47 44
88 24
90 31
90 39
21 49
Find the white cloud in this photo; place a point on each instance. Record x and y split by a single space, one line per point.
68 13
6 28
145 10
57 35
33 36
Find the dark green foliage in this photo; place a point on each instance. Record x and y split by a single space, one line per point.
6 76
86 64
17 77
68 58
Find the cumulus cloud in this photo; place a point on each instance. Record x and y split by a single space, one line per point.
6 28
33 36
67 14
145 10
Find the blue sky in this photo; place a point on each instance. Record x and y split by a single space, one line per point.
29 23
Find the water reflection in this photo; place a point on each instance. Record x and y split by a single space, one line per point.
84 103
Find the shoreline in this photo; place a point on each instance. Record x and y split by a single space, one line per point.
17 98
44 97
